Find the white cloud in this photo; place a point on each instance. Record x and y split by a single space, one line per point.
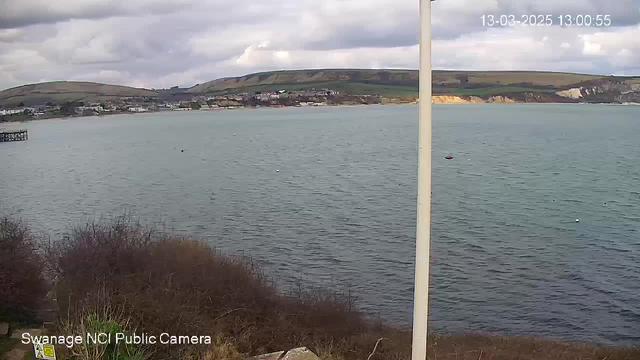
592 48
165 43
467 7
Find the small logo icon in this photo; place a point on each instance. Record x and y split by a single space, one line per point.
44 351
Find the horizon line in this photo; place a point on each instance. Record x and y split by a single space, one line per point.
322 69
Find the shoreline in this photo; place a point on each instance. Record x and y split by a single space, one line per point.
255 302
323 106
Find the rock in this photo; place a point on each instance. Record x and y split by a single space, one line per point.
300 354
272 356
4 329
294 354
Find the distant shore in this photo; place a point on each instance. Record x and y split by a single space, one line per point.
437 100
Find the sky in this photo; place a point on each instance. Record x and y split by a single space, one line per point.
165 43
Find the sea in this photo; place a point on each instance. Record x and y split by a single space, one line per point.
326 197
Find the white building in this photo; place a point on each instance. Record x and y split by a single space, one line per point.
97 108
11 111
137 109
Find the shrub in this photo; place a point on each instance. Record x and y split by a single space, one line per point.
22 284
96 254
184 287
120 276
96 315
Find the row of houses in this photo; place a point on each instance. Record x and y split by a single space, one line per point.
312 93
310 97
11 111
34 111
266 96
106 108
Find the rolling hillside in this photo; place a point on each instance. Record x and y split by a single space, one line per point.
62 91
516 86
396 82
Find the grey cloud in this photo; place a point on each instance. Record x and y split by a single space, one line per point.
355 36
18 13
451 22
623 12
166 43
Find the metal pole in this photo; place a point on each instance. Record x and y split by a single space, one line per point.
423 231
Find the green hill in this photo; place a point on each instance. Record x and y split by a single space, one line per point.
396 82
62 91
521 86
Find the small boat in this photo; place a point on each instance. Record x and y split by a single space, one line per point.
449 157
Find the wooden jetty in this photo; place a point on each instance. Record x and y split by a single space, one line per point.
13 135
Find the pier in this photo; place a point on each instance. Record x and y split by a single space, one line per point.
13 135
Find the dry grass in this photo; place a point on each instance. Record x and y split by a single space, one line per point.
98 314
121 275
180 286
222 349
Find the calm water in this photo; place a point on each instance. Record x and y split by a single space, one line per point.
508 255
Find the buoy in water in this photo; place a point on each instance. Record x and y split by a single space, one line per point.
278 170
577 220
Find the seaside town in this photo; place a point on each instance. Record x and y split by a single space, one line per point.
281 98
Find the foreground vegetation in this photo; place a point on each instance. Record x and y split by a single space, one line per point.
119 276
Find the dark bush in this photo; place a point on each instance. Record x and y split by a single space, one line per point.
140 280
22 284
98 253
180 286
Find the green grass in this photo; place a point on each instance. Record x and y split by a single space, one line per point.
354 88
490 91
361 88
377 89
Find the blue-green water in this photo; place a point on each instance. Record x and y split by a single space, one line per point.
508 255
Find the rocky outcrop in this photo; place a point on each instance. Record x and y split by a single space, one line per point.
574 93
294 354
501 100
453 99
605 91
271 356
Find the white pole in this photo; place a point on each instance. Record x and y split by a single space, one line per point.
423 231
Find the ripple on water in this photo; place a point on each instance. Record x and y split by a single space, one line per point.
507 254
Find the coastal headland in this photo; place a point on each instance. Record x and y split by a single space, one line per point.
322 87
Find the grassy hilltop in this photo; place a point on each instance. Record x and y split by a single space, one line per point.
397 82
519 86
62 91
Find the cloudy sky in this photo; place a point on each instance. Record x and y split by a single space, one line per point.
163 43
